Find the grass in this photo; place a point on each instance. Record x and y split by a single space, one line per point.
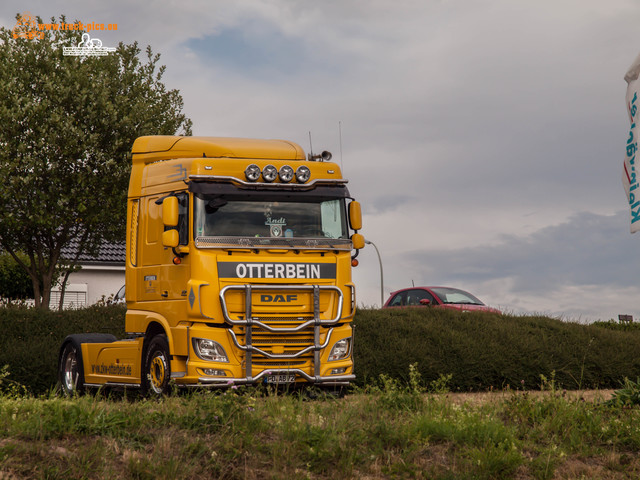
388 430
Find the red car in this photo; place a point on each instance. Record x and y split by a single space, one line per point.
441 297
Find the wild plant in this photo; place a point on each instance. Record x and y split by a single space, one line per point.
8 387
628 395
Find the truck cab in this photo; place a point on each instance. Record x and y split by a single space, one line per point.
238 270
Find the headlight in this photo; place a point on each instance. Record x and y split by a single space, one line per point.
303 174
209 350
340 350
269 173
252 172
286 174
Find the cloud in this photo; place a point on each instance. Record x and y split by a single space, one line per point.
384 204
571 258
587 249
237 49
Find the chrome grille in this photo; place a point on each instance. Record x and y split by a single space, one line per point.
298 340
270 320
278 363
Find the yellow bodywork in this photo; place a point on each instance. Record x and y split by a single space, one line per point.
198 291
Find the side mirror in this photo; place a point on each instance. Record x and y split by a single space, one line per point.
170 238
425 301
357 241
355 215
170 212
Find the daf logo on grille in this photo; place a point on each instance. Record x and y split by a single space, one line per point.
278 298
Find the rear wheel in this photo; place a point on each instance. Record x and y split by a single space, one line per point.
70 371
157 367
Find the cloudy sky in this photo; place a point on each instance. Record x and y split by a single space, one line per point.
484 138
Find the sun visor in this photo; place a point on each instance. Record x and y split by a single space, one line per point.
219 188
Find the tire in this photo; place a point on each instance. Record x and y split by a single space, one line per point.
70 370
156 372
70 365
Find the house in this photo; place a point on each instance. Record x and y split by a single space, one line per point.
100 276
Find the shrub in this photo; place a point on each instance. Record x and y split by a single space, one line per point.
31 339
482 351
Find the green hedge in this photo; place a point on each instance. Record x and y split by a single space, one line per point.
480 351
31 339
486 350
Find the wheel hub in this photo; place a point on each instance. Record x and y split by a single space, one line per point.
157 371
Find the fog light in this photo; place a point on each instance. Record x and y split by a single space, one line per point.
252 172
340 350
303 174
286 174
338 371
209 350
269 173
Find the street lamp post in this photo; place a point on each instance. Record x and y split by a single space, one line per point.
369 242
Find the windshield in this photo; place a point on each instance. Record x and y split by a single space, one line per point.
269 222
453 295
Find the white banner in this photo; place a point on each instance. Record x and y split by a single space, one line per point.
630 177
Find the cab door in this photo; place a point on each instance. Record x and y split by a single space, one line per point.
159 276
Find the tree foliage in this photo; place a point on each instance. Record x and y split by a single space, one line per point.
68 123
15 283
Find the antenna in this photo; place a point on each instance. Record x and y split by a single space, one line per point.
413 284
310 145
340 131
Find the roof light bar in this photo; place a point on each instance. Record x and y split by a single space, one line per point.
271 173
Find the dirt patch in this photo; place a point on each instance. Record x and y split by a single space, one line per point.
481 398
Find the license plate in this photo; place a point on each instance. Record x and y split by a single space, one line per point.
283 378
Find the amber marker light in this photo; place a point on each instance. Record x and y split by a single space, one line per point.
177 260
355 262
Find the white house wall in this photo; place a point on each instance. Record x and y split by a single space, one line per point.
90 285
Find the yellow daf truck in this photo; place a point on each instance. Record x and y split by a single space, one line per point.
238 271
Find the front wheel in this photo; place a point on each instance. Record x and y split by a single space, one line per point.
70 370
156 371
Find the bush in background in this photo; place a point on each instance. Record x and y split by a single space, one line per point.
483 351
31 339
473 351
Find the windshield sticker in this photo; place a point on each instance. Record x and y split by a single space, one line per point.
276 226
276 270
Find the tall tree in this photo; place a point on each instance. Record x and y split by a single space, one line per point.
15 284
66 126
